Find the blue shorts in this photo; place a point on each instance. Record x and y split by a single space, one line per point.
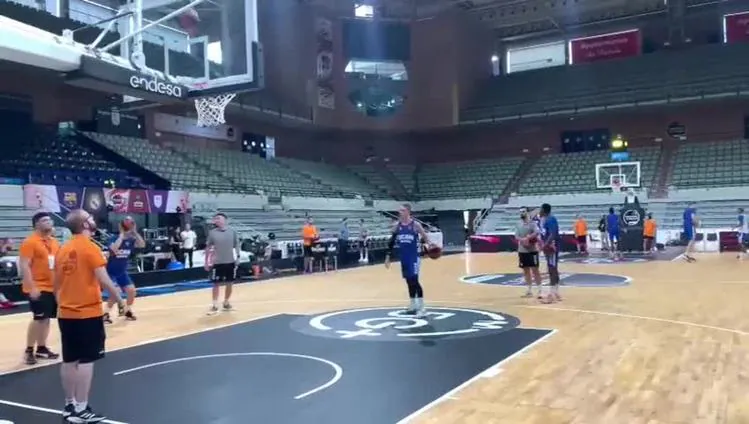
122 280
614 237
410 267
688 234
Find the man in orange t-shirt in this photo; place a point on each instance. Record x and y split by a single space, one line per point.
649 229
310 236
36 262
80 274
581 234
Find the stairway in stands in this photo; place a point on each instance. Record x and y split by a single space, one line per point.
665 168
516 179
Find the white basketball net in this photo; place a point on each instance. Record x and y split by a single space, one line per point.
211 109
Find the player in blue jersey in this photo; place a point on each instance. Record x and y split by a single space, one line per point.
406 234
743 233
690 224
612 229
120 248
552 242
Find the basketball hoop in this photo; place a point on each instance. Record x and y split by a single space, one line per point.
616 185
211 109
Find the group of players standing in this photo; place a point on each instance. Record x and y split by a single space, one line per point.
538 231
66 282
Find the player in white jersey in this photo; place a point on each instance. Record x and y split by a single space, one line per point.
743 233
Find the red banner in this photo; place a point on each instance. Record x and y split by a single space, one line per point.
607 46
736 27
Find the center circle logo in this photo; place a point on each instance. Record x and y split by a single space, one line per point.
393 324
572 279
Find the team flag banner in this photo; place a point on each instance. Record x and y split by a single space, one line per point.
736 27
607 46
61 199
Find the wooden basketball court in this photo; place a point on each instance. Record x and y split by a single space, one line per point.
671 347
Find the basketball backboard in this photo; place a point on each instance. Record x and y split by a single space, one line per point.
209 46
621 174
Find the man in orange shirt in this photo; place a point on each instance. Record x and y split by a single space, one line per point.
80 274
649 229
581 234
309 237
36 262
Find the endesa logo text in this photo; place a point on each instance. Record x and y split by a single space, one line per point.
156 86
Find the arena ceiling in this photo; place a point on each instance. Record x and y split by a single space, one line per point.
512 19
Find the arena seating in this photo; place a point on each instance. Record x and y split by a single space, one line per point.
163 162
48 158
374 177
335 177
712 164
15 223
673 76
712 214
287 225
575 172
467 179
406 174
253 173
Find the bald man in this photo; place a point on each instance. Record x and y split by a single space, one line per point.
80 275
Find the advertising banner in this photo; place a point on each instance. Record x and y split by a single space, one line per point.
736 27
607 46
536 57
324 36
95 200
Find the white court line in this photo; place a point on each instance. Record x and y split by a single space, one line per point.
487 373
338 371
157 340
640 317
47 410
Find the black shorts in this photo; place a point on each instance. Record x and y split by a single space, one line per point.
647 237
307 250
82 339
45 307
224 273
528 259
582 239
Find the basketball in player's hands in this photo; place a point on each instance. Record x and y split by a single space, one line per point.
128 223
434 252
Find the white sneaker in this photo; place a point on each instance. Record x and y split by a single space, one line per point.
213 310
421 313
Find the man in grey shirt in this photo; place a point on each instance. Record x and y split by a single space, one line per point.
526 234
222 256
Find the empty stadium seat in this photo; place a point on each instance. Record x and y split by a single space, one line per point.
674 76
575 172
467 179
163 162
712 164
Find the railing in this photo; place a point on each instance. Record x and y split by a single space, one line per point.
479 219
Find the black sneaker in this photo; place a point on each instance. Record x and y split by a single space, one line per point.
29 358
68 411
130 316
86 416
44 353
107 318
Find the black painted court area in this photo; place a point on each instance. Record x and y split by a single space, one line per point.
265 372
